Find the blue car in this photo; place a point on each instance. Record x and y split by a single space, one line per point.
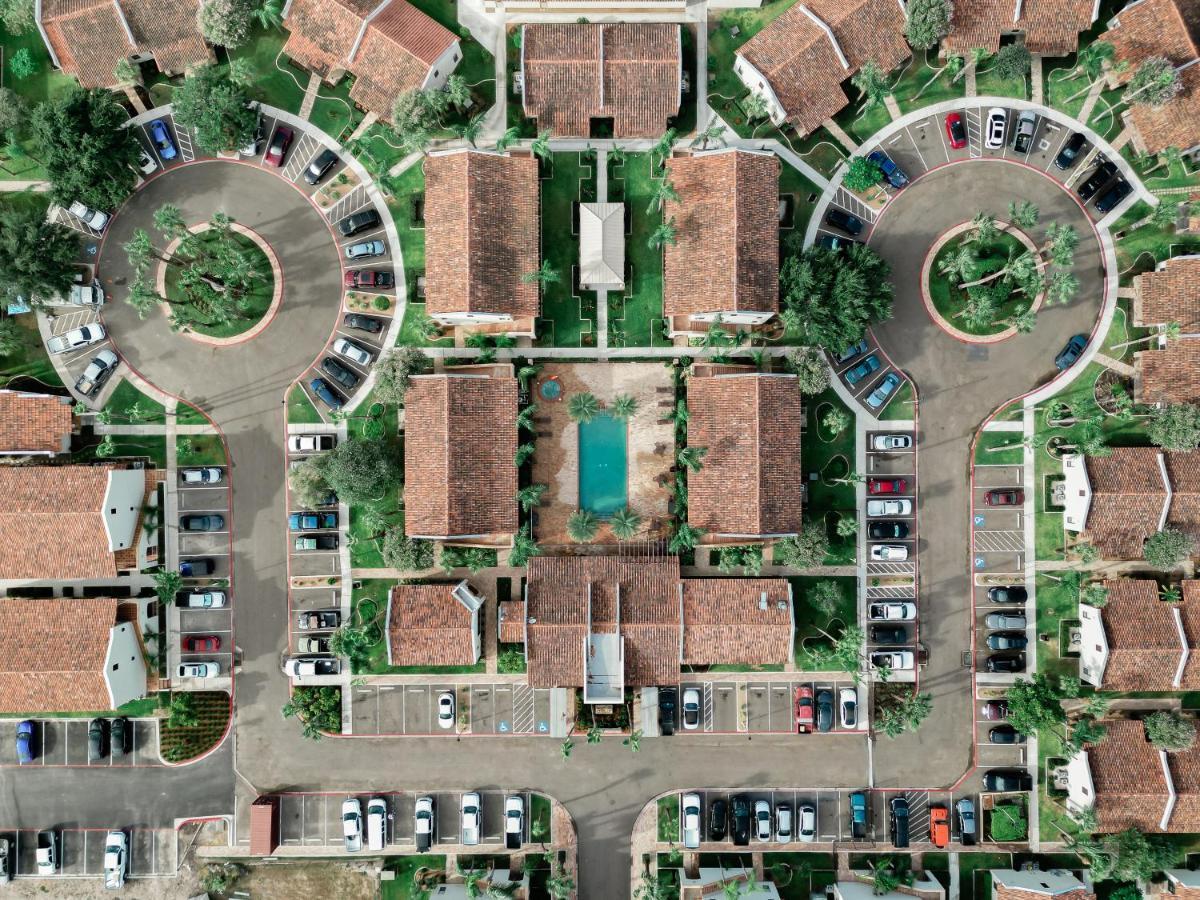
162 139
1069 354
328 395
879 396
25 742
852 351
892 172
862 370
310 521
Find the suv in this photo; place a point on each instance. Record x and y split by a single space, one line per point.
359 221
368 278
899 808
199 670
886 485
1099 177
1070 152
892 172
884 529
740 816
320 387
1070 354
321 541
470 808
1114 195
852 225
939 826
1007 780
203 600
1023 133
319 167
339 373
889 552
359 322
96 373
892 611
965 811
862 370
667 701
77 338
889 507
311 521
365 249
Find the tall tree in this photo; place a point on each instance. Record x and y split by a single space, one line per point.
14 113
226 22
16 16
215 109
1153 83
806 550
1166 548
1013 61
928 22
35 255
269 13
872 84
1175 426
834 295
394 371
1035 704
810 368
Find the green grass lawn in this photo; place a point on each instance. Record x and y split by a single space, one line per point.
1106 116
975 879
950 300
1062 92
300 410
200 450
723 45
122 401
810 621
635 319
186 414
989 84
272 85
31 360
566 320
988 448
402 886
1056 603
413 329
1143 248
918 83
376 149
1158 174
405 192
900 407
861 123
43 84
334 112
832 456
804 194
254 306
152 446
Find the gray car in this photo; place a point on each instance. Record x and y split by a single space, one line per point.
1002 621
365 249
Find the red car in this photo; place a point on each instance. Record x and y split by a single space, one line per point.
804 709
939 826
280 141
886 485
1005 497
201 643
955 131
367 278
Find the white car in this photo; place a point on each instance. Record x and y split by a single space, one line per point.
997 124
203 475
514 821
893 659
199 670
47 852
889 552
691 709
762 820
89 295
311 443
848 707
116 860
471 816
92 218
352 351
891 441
901 611
690 817
352 824
783 823
205 600
446 710
147 164
252 146
424 822
74 340
889 508
808 823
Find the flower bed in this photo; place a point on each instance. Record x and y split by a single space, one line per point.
178 744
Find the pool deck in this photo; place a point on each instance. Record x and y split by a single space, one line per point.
650 451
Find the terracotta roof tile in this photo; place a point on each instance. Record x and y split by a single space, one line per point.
512 621
397 51
1177 122
35 423
724 622
750 423
427 626
1051 27
629 72
459 454
726 255
482 226
322 32
52 654
1143 641
1131 789
1170 294
1004 892
1145 28
1128 494
1169 375
797 58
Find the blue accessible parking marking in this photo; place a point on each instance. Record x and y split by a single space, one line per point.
543 727
979 562
503 726
979 521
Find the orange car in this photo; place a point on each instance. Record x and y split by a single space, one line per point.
939 826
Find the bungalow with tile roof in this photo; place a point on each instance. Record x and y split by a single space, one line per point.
616 80
70 523
724 263
607 623
797 63
67 655
1174 124
1132 784
389 46
35 424
1183 884
1146 28
749 422
1037 884
1118 501
1139 642
482 234
433 625
1049 27
1170 371
87 38
460 446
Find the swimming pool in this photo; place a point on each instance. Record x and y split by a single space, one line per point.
602 465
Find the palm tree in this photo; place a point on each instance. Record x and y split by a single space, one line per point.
544 274
531 496
662 149
526 373
582 408
1024 214
1169 332
985 229
582 526
624 406
959 264
755 107
525 417
625 523
541 145
269 14
663 191
524 452
714 132
663 234
470 129
524 546
870 81
634 741
1062 287
691 457
566 747
506 140
686 537
1024 320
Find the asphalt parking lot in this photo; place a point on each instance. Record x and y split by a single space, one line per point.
864 371
64 742
152 852
991 755
196 546
998 559
764 706
889 580
491 709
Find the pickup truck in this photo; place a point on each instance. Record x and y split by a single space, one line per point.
470 819
74 340
858 816
319 620
805 711
310 521
316 644
514 822
96 373
316 542
301 666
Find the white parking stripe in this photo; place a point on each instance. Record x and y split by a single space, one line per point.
920 155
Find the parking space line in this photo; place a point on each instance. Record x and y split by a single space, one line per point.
920 155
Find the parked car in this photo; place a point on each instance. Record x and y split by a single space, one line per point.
1100 176
995 709
838 218
514 821
887 529
254 145
997 124
92 218
359 322
199 669
201 522
280 141
862 370
89 296
307 666
889 508
1007 640
824 710
848 707
201 475
345 379
762 820
892 611
359 221
668 699
892 172
896 660
77 338
965 811
311 443
807 820
424 823
835 242
203 599
161 138
368 278
691 709
878 397
92 378
1070 152
1070 354
858 816
1004 497
322 620
365 249
997 663
320 388
888 634
740 820
352 824
1023 133
891 442
956 131
470 809
147 164
201 643
899 821
445 710
889 552
1114 195
317 644
1005 734
116 860
1007 780
806 715
1003 620
352 351
319 167
309 542
1008 594
718 819
47 852
886 485
783 823
309 521
26 737
7 863
689 818
852 351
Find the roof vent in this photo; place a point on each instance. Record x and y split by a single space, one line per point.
762 601
781 604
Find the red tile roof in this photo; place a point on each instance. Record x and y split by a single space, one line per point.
796 56
264 826
459 454
1174 124
89 37
1143 638
1131 789
726 254
322 32
1004 892
1051 27
1169 375
750 424
512 622
736 621
427 626
482 226
1145 28
1128 494
52 654
629 72
35 423
1170 294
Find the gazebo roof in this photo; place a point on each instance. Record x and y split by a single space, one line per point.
602 245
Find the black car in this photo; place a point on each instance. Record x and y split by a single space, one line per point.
843 220
360 221
888 530
339 373
1069 354
328 395
1099 177
1007 780
121 732
899 808
668 701
741 820
824 710
359 322
718 819
202 522
1007 640
1010 594
888 634
1114 195
97 740
319 167
1005 734
1006 664
197 568
1070 152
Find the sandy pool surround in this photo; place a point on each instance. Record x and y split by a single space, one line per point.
927 268
160 284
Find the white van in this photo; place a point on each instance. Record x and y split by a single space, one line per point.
376 824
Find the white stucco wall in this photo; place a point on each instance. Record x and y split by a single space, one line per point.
124 667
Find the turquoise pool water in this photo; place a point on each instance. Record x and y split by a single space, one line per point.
550 389
602 465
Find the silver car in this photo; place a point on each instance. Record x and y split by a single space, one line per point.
202 475
352 351
76 339
1005 621
889 508
365 249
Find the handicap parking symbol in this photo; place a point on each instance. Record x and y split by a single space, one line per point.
979 521
543 727
503 727
979 562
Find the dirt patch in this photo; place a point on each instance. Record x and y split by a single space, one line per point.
285 881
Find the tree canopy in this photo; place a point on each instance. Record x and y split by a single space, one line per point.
1127 856
810 368
360 470
319 710
832 296
1167 730
226 22
1035 703
1175 426
806 550
928 22
1154 82
35 255
862 174
1165 548
215 108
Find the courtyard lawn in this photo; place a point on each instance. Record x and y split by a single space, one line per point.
811 621
334 112
1065 90
376 149
804 196
45 82
723 45
1143 248
635 318
999 448
403 887
1056 603
861 123
567 320
1159 175
406 192
989 84
281 84
300 410
918 83
821 151
413 329
200 450
151 446
148 412
31 361
830 456
1106 116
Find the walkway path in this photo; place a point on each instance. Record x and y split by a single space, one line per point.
310 95
1089 104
